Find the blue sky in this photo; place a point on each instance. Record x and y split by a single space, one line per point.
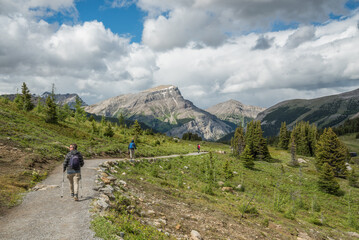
257 52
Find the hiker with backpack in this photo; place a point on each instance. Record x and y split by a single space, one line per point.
73 163
131 149
198 147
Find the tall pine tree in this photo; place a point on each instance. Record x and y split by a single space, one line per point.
51 108
326 181
247 157
283 136
332 151
238 142
27 105
80 114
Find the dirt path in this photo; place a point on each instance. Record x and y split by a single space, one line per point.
43 214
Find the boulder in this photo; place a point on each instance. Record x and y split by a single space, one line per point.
227 189
195 235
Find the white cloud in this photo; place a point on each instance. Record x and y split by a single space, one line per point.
207 65
176 23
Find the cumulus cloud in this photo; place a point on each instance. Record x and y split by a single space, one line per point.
208 64
263 43
175 23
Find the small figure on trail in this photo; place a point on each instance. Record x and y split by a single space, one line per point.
131 149
73 163
198 148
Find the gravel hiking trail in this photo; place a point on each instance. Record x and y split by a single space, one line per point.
43 214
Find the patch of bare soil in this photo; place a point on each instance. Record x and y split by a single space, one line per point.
168 211
14 162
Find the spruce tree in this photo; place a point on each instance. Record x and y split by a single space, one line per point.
238 142
326 181
283 136
247 157
26 98
353 179
121 120
109 131
51 108
331 150
137 128
228 174
80 114
39 106
19 101
294 161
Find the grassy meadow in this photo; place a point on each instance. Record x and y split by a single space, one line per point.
30 147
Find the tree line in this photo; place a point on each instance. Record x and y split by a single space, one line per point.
329 152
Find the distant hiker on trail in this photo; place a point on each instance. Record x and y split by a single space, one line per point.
198 148
73 163
131 149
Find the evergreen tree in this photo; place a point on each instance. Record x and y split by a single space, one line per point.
91 118
121 120
247 157
353 179
238 142
137 128
228 174
80 114
19 101
326 181
305 137
39 106
95 130
26 98
332 151
109 131
256 142
283 136
294 161
103 121
51 108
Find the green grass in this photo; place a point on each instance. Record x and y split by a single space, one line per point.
280 193
45 145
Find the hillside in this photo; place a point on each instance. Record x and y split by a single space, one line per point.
164 109
235 112
271 201
325 112
30 147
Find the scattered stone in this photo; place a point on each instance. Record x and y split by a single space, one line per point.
121 182
195 235
301 160
353 234
101 204
239 186
303 236
123 173
349 168
227 189
150 213
103 174
111 178
105 180
178 226
235 173
185 167
41 187
141 179
220 183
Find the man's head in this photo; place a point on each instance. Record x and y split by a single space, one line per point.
73 146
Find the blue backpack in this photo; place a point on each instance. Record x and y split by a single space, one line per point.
75 162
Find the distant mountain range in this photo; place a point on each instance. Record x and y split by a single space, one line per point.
60 99
235 112
164 109
325 112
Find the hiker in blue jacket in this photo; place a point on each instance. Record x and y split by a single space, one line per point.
131 149
73 163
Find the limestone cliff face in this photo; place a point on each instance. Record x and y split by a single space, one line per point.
164 109
236 112
62 99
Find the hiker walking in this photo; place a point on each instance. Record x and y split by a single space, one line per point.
131 149
73 163
198 148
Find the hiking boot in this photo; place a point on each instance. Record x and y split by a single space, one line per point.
76 197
